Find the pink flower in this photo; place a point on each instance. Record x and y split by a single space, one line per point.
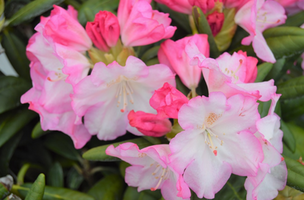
50 95
104 30
204 5
234 3
63 28
140 25
286 3
149 124
215 21
106 97
182 6
255 17
218 140
174 55
167 100
151 170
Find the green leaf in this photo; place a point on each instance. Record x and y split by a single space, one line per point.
122 168
131 194
37 131
295 20
110 188
151 53
283 31
53 193
298 133
3 190
15 52
203 27
276 69
263 108
263 70
55 175
90 8
294 166
11 89
292 88
288 137
12 122
99 154
62 145
295 180
149 195
74 179
37 189
31 10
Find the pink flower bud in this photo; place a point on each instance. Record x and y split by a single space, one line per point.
104 30
167 101
149 124
215 21
204 5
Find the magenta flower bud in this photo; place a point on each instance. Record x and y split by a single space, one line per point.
104 30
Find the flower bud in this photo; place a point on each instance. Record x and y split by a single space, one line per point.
149 124
215 21
104 30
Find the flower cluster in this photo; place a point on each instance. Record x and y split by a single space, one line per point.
89 81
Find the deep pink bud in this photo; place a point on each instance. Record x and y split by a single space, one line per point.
215 21
104 30
167 100
204 5
149 124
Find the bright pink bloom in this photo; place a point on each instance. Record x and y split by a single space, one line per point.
286 3
50 95
182 6
174 55
217 141
106 97
140 25
104 30
149 124
151 170
204 5
215 21
167 100
63 28
234 3
255 17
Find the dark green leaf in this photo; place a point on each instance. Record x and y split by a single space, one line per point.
203 27
263 70
295 180
62 145
149 195
11 89
15 52
131 194
32 10
110 188
11 123
151 53
263 108
152 140
99 154
3 191
54 193
37 131
283 31
292 108
292 88
294 165
288 137
122 168
90 8
55 175
295 20
276 69
37 189
74 179
298 133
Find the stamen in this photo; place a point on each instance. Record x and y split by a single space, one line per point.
160 180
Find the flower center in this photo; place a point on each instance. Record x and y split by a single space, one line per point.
58 76
262 17
232 73
159 173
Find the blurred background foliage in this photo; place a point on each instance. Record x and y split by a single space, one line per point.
45 164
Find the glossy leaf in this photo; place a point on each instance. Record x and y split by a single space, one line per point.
11 89
11 123
295 180
151 53
149 195
203 27
292 88
55 175
263 108
298 133
99 154
37 189
74 179
263 70
110 188
31 10
283 31
131 194
294 166
276 69
37 131
288 137
15 51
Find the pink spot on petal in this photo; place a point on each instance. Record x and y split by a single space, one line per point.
215 152
122 110
282 158
152 189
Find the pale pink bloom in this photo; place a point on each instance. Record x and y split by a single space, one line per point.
63 28
151 170
50 95
255 17
149 124
140 25
182 6
104 30
106 97
167 100
218 140
173 54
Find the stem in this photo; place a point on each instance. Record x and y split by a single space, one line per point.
192 25
193 92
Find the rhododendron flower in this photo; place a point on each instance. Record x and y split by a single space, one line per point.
182 6
140 25
234 3
63 28
255 17
149 124
151 170
204 5
174 55
218 140
104 30
167 100
106 96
